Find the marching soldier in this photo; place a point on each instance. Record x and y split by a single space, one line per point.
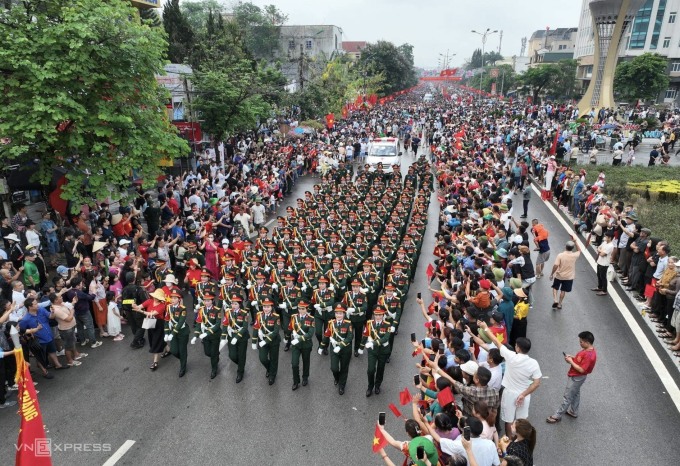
356 304
267 339
229 266
351 260
162 270
400 281
324 300
208 329
235 334
322 260
228 288
177 330
289 299
337 277
258 293
308 278
339 335
207 286
296 260
277 274
301 327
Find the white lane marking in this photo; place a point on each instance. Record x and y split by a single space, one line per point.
654 358
119 453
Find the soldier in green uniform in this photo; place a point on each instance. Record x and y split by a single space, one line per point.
194 253
229 289
289 298
162 270
339 334
301 327
356 304
308 278
376 338
370 283
400 281
177 330
207 286
208 329
323 300
322 261
259 292
267 339
229 266
235 333
296 260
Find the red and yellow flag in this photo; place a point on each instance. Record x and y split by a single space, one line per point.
379 440
33 448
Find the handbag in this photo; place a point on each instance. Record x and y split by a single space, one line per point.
149 323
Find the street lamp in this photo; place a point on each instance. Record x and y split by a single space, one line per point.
484 35
445 59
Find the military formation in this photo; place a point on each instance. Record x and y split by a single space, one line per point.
335 270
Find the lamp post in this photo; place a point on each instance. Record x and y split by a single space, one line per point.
484 35
445 59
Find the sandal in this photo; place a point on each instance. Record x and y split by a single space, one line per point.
601 293
165 354
553 420
559 306
154 366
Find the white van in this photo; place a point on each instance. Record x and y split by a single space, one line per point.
385 150
428 97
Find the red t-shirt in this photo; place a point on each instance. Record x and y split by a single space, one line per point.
150 305
586 359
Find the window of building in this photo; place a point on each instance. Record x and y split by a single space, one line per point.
308 44
675 67
671 94
291 44
666 42
671 17
561 47
638 35
658 22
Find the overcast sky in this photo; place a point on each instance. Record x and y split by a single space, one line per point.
433 26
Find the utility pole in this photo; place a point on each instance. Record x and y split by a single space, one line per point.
500 41
484 35
301 71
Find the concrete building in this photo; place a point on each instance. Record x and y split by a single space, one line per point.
304 49
551 45
652 30
353 48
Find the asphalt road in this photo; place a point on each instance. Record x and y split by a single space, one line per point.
626 417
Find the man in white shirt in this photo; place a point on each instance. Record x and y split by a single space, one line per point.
483 449
258 213
522 377
243 218
604 254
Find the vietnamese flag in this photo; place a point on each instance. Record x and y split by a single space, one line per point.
394 410
429 272
379 440
444 397
405 397
32 447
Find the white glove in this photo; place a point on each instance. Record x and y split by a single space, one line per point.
165 337
262 343
294 342
334 342
202 336
363 290
170 338
259 253
304 287
330 256
295 334
275 286
387 343
234 341
369 345
249 285
193 341
223 282
392 329
253 302
350 311
223 343
336 350
328 309
254 346
243 269
282 306
267 268
317 307
360 351
320 351
230 331
392 314
331 287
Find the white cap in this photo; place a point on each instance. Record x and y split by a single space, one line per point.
123 242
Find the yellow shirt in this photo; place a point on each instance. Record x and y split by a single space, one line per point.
521 310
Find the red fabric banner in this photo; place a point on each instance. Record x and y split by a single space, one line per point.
33 448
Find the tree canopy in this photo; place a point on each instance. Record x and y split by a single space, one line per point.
79 93
394 63
556 80
644 77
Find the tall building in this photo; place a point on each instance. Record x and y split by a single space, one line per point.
551 45
653 30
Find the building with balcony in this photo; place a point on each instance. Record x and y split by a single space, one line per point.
551 45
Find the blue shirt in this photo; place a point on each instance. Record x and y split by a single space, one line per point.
44 335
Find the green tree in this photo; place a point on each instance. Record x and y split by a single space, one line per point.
151 16
197 12
79 93
537 78
180 34
554 79
394 63
261 28
476 60
562 86
644 77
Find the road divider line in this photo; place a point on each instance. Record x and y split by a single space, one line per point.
652 355
119 453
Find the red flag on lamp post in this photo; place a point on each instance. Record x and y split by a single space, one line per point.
553 147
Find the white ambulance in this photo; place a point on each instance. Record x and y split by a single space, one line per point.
385 150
